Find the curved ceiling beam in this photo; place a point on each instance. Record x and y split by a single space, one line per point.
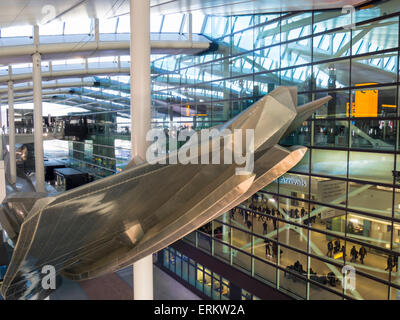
58 85
61 47
65 74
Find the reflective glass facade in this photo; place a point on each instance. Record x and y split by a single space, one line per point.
200 278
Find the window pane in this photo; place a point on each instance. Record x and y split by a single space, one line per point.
325 274
53 28
124 24
329 162
108 25
172 23
82 26
155 22
370 198
293 281
375 167
20 31
380 35
331 133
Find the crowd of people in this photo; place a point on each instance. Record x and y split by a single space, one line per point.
263 213
259 210
335 248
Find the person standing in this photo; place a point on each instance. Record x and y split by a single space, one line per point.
363 253
389 263
267 248
296 213
337 246
268 211
249 224
330 249
396 263
274 249
354 254
344 252
265 227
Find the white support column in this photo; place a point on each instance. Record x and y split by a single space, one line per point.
140 76
97 30
140 120
11 133
190 25
38 122
1 116
3 193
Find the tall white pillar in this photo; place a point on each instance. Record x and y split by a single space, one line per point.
1 116
11 133
140 120
3 192
38 122
140 76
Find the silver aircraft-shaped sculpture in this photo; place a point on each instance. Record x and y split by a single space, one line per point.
109 224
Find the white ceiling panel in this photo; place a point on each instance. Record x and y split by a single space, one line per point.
20 12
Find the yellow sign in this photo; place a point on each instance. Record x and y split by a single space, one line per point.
188 113
366 102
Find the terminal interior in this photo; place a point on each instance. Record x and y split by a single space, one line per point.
338 208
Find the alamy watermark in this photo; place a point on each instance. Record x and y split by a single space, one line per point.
348 278
49 277
224 147
49 14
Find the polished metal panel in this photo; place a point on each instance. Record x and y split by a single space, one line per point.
111 223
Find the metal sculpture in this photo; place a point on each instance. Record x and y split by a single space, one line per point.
109 224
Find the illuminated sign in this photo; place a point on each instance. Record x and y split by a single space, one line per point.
366 102
190 114
295 181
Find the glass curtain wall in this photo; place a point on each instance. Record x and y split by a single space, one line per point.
338 209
